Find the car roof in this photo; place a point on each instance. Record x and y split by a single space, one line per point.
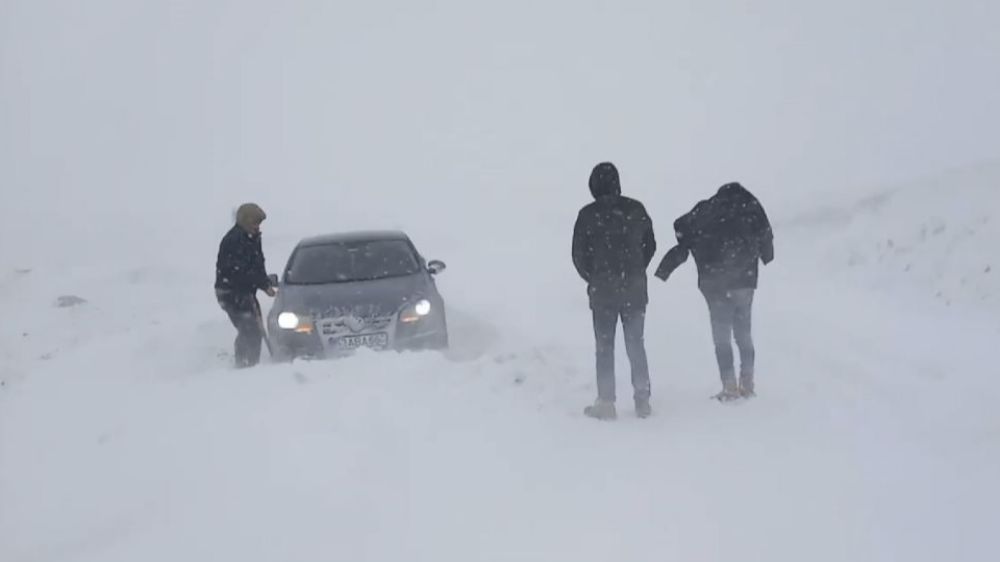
354 236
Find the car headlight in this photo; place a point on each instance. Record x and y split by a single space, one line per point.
417 311
292 321
288 320
422 308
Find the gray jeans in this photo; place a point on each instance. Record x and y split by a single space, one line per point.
633 319
731 316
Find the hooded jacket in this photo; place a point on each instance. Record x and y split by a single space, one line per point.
613 243
728 234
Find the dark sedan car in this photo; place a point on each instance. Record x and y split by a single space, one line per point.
342 292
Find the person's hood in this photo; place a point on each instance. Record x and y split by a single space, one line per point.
732 197
604 181
725 203
731 191
249 216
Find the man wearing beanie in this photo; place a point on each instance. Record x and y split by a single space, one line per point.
239 274
613 245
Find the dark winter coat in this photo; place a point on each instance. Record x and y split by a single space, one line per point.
613 243
240 268
727 234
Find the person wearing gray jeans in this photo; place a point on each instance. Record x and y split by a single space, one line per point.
728 234
613 245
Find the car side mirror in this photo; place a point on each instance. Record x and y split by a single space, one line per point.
436 266
273 278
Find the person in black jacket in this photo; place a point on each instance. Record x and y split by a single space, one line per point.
613 245
727 234
239 274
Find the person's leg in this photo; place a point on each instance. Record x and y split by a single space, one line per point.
743 332
605 329
605 326
634 327
721 314
242 314
248 339
229 304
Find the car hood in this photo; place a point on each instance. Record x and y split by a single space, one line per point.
363 299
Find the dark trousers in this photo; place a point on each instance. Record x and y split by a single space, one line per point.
244 313
634 325
731 317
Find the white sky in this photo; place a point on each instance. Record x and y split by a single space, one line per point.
199 102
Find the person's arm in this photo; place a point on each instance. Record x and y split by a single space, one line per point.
230 263
765 236
677 255
259 268
582 248
648 239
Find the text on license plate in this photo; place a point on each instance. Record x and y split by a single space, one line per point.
379 340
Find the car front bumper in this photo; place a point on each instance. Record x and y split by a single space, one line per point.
323 341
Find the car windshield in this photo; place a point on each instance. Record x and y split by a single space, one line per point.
352 261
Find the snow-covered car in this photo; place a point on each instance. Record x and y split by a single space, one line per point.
341 292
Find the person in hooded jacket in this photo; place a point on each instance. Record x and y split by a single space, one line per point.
613 245
728 234
239 274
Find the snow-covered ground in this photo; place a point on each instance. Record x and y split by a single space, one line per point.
123 435
132 130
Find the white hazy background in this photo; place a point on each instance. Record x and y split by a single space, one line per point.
130 131
161 116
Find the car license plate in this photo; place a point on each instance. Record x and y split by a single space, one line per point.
374 341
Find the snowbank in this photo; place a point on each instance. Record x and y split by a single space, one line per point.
935 238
